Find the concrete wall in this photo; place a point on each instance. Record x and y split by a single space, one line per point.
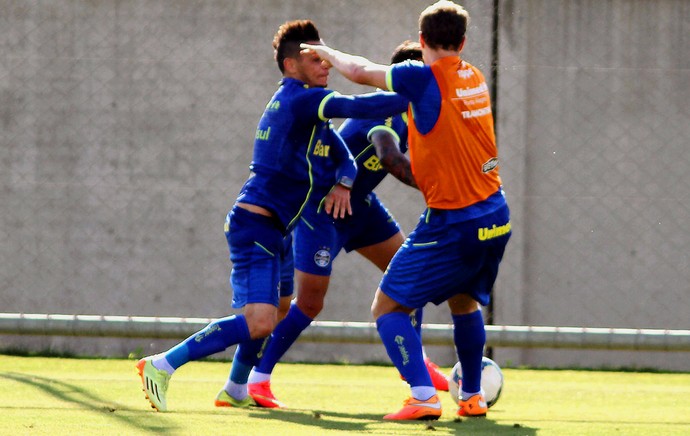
127 130
593 124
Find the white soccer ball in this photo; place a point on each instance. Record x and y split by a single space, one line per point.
492 381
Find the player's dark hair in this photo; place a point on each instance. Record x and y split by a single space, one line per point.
288 38
443 25
408 50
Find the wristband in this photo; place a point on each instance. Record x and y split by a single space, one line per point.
346 182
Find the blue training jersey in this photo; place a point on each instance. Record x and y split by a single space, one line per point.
357 133
297 153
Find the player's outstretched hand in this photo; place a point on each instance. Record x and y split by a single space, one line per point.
323 51
355 68
337 202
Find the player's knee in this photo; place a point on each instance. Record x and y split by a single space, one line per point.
383 304
284 307
376 309
261 330
282 313
260 327
310 306
462 304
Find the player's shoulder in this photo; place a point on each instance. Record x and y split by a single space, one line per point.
410 64
467 66
407 72
409 68
302 99
299 89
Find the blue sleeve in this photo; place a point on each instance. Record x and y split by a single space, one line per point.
347 167
372 105
410 79
416 81
358 129
308 105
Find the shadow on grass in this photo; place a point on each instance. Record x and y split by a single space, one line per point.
88 401
364 422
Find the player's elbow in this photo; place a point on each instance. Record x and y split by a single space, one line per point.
389 159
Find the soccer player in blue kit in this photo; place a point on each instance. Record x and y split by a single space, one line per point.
379 146
294 146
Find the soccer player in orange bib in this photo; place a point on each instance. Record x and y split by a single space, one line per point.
454 252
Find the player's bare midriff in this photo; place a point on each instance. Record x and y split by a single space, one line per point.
255 209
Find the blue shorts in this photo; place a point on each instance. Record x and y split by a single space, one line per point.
445 256
262 262
319 238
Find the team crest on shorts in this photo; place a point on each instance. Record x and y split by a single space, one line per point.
322 258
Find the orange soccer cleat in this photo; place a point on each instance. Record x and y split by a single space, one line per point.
414 409
437 377
262 395
474 406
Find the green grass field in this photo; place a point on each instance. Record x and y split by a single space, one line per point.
58 396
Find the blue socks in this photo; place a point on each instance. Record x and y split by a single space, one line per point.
469 335
215 337
246 356
282 338
416 318
404 348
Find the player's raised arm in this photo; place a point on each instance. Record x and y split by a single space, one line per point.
357 69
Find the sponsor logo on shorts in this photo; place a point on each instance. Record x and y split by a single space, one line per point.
486 233
322 258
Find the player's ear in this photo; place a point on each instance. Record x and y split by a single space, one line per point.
462 44
289 65
421 40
